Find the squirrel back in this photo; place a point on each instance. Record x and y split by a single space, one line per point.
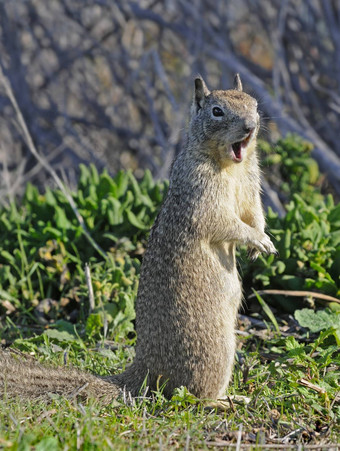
189 291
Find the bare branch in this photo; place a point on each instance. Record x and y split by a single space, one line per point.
44 163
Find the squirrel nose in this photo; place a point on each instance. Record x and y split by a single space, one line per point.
249 126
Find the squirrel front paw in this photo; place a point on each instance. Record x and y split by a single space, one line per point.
262 244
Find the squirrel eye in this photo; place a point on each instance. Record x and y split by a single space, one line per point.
217 112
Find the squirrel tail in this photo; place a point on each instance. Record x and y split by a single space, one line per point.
22 376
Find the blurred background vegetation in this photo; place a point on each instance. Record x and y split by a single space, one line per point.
111 82
106 86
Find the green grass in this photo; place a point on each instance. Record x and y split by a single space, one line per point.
268 371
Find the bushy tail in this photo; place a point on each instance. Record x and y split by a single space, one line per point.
23 377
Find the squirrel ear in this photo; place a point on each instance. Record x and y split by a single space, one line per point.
238 83
201 91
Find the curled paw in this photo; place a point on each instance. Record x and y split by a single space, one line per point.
261 245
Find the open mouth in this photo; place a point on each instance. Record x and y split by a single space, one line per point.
239 146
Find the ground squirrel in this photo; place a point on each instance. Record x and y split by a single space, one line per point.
189 291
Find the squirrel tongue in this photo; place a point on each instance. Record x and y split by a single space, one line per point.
237 150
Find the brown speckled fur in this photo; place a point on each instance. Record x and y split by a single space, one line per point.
189 291
26 378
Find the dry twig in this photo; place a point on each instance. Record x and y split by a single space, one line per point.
29 141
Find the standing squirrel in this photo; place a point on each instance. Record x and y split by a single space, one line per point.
189 291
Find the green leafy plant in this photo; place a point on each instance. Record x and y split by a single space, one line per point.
291 169
43 250
322 320
308 242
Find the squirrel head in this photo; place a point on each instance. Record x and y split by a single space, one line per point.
226 122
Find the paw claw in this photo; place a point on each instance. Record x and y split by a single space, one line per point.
262 245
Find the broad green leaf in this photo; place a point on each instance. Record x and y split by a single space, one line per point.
106 186
320 320
47 443
114 211
61 219
122 182
94 324
50 197
132 218
334 217
147 182
59 335
56 233
9 257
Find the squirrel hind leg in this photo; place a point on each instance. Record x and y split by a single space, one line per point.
134 380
